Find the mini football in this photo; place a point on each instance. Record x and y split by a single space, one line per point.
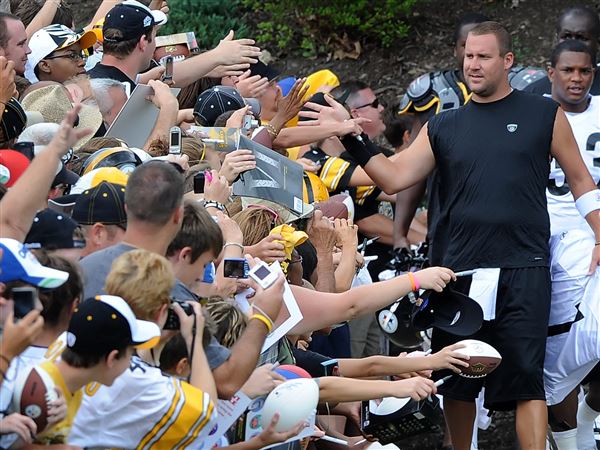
33 390
290 372
294 400
334 208
484 358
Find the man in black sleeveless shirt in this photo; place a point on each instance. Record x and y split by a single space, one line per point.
492 157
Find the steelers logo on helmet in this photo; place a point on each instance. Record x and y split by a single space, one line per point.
122 158
313 189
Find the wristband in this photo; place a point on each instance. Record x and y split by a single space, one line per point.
361 150
262 313
213 204
264 320
588 202
233 244
413 282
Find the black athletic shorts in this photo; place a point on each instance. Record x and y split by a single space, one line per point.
518 332
594 375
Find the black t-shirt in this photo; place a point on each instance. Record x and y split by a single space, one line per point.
102 71
543 86
492 162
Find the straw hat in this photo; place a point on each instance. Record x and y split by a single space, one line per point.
53 103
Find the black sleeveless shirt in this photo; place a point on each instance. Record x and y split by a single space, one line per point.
488 197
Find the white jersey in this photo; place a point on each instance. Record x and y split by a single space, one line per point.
561 204
143 409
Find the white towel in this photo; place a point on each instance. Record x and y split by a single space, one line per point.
484 289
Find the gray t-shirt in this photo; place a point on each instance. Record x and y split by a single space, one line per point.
96 268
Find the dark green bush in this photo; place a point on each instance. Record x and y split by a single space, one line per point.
211 20
314 26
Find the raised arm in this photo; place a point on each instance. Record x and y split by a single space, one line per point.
30 192
586 193
240 53
233 373
398 172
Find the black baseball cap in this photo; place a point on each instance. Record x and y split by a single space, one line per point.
13 120
105 323
448 310
132 19
52 231
104 203
215 101
264 70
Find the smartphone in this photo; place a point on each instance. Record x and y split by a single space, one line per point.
25 299
167 77
175 141
173 322
262 274
235 268
199 183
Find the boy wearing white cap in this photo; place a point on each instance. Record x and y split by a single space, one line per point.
57 53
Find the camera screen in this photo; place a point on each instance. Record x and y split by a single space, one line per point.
262 272
234 268
174 139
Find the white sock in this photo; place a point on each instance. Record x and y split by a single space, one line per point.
566 440
585 426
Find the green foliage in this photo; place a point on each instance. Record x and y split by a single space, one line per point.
211 20
310 26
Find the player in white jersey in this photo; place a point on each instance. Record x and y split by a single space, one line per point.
573 345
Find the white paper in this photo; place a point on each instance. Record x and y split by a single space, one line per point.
229 411
289 302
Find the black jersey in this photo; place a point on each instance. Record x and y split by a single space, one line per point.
335 173
492 165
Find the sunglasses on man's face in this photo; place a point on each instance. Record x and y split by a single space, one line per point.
374 104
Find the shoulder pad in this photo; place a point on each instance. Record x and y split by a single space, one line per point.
520 77
420 87
447 90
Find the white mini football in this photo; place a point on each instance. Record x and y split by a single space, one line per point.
294 400
484 358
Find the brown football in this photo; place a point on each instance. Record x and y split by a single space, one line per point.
483 358
33 390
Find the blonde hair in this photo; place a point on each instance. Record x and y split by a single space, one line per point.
229 320
143 279
256 223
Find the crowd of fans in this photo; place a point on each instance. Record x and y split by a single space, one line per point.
123 249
